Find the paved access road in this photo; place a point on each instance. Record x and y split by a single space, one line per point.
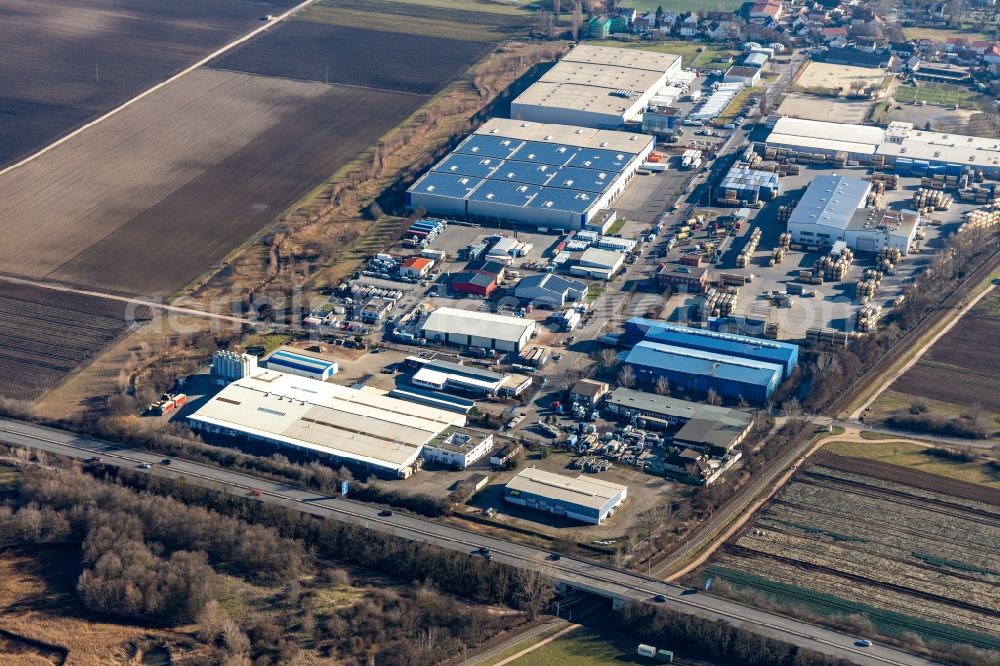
579 574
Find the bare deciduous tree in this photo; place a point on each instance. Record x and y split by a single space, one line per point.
662 386
712 397
576 21
536 590
626 377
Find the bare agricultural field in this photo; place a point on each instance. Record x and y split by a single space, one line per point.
468 21
67 61
371 58
47 334
825 109
149 199
840 77
961 367
909 551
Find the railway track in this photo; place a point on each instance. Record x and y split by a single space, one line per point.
615 582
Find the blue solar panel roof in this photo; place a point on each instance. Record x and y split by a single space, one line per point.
591 158
507 193
446 184
576 178
526 172
486 145
546 153
560 199
468 165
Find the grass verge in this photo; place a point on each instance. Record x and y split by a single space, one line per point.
915 456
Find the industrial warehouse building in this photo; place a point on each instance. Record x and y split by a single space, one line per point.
440 375
362 427
294 362
900 146
832 209
784 354
598 264
703 427
551 291
701 371
478 329
585 498
554 176
597 86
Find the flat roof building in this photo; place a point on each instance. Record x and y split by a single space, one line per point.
585 498
364 427
702 426
528 173
478 329
784 354
596 86
588 392
440 375
458 447
598 264
294 362
832 210
701 371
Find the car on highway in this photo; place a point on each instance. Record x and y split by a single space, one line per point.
95 459
863 642
385 513
660 598
555 557
145 466
166 461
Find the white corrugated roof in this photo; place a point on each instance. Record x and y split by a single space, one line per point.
862 139
583 490
479 324
359 424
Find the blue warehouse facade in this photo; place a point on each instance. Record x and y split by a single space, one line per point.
700 371
784 354
299 364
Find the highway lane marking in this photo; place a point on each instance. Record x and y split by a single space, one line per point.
456 540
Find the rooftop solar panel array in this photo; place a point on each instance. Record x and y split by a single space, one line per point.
531 174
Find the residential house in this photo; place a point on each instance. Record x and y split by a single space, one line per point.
415 267
621 20
716 32
766 11
599 27
832 33
992 57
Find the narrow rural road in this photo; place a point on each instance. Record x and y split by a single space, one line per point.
131 300
576 574
918 353
162 84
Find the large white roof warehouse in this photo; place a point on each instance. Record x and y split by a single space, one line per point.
533 174
818 136
361 426
478 329
596 86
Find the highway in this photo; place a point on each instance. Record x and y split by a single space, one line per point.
578 574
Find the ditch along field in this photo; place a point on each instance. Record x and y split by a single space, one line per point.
961 368
909 551
47 334
68 61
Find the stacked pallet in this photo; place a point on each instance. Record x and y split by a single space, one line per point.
889 181
866 317
785 240
983 195
926 201
784 213
827 336
720 302
776 256
834 267
874 198
743 260
868 284
983 218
